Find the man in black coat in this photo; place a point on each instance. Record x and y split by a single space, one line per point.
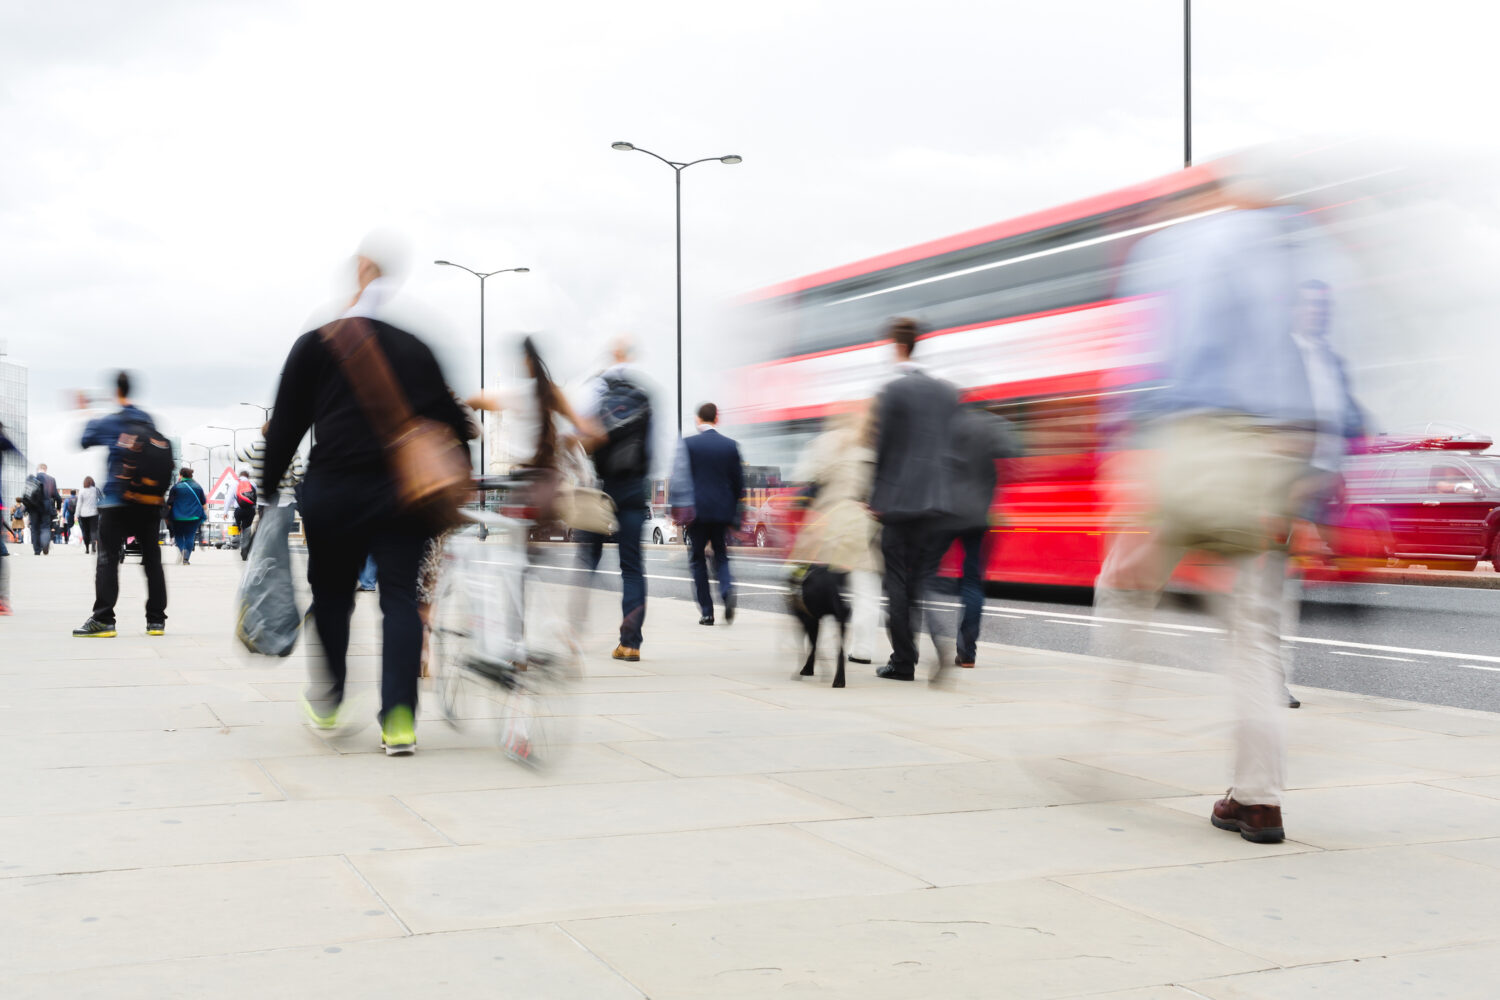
718 481
348 503
912 491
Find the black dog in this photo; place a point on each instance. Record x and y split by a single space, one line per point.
820 593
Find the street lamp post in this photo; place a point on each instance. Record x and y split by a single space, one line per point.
263 409
234 432
677 169
482 275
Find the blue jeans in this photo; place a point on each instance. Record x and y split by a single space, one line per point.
630 506
970 585
367 575
185 534
700 537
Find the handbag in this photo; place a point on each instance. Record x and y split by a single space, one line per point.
429 466
584 508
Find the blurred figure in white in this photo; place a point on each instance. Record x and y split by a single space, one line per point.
1229 433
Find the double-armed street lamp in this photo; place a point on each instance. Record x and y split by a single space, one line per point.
234 432
482 275
677 169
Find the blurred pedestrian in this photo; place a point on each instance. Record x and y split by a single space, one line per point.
244 510
253 458
88 514
709 464
139 473
980 439
531 450
7 447
69 513
350 506
1231 432
838 531
41 507
187 508
914 416
618 403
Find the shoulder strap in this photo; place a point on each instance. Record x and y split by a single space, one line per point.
352 343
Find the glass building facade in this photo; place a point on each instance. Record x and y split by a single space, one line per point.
13 416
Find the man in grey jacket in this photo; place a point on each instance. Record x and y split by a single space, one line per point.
980 438
914 433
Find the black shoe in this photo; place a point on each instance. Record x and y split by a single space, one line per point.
95 629
706 620
156 628
729 605
1292 702
856 659
891 672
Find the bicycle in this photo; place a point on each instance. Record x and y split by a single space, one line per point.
497 635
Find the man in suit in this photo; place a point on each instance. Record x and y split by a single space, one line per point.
914 436
710 462
979 439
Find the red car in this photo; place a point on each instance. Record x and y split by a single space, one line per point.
1434 501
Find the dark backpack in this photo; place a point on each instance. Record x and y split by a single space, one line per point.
146 464
625 413
34 495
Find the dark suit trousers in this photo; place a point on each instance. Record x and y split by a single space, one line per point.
700 536
907 548
975 543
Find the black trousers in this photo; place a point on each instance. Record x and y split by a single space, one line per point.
907 548
700 537
243 518
90 528
115 525
336 552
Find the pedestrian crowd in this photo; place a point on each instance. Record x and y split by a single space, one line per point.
1247 400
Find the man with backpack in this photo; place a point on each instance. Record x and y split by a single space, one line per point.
622 456
40 497
138 474
244 510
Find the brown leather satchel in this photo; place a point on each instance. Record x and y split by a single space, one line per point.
429 466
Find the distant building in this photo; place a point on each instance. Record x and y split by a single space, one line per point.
13 416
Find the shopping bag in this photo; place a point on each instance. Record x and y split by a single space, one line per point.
268 620
583 508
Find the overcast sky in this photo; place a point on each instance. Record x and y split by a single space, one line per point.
183 182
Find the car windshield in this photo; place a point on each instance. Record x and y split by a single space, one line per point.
1488 466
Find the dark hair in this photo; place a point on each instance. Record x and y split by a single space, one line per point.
88 481
546 405
185 472
122 384
904 331
708 413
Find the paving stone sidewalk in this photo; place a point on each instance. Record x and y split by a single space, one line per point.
1036 829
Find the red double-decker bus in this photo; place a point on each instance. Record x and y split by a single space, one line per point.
1024 316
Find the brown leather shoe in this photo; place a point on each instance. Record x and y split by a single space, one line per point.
1257 824
626 653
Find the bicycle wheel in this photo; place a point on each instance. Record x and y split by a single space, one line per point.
532 729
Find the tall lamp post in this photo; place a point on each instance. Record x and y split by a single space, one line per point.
482 275
1187 83
677 169
234 432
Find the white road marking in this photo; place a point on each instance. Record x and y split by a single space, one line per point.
1057 617
1372 656
1157 631
1475 666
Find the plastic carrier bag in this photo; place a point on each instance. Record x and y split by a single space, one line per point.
268 620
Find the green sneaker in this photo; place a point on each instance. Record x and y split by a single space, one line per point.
318 719
398 732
